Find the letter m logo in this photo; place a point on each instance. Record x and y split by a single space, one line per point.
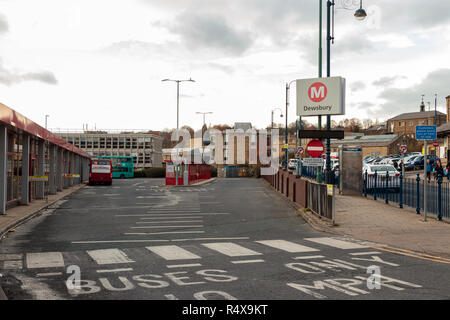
317 92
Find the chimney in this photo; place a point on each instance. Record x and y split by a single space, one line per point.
422 107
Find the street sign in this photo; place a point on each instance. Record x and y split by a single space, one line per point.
436 144
426 133
313 162
321 96
330 189
291 150
315 148
300 151
403 149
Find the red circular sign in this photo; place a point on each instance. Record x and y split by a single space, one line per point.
436 144
315 148
317 92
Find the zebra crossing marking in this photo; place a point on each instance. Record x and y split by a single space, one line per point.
109 256
172 252
231 249
287 246
114 270
184 265
340 244
247 261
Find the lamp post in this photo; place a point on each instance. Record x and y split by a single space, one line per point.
288 87
204 113
435 110
46 116
281 116
360 14
178 109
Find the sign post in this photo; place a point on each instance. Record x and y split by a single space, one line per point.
425 133
403 150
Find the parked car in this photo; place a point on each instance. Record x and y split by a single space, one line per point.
418 162
379 183
292 164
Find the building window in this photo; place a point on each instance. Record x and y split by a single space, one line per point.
411 123
400 124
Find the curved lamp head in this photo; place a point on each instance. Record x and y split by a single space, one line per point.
360 14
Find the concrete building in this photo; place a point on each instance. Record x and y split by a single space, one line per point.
375 145
30 155
145 147
406 122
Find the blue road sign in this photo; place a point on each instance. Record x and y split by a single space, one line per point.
426 133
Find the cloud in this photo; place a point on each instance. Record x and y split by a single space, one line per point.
4 27
387 81
210 31
357 86
9 78
401 100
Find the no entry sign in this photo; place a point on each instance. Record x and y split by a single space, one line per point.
315 148
436 144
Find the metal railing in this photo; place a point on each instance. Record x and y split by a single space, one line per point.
311 172
319 201
410 192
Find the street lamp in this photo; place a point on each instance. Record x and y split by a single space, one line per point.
288 87
178 108
281 115
360 14
203 113
46 116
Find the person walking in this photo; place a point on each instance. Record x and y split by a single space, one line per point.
448 170
439 169
429 168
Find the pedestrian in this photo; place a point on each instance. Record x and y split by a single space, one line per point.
439 169
448 170
429 170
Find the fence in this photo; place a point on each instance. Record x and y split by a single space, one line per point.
319 201
410 192
311 172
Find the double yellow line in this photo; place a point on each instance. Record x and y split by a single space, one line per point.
413 254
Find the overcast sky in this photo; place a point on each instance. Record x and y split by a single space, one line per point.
101 62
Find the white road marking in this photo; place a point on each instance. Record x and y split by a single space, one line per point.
12 264
173 252
231 249
109 256
365 253
45 260
117 241
169 214
49 274
114 270
308 257
247 261
287 246
184 265
161 227
176 221
173 218
205 239
154 233
11 256
336 243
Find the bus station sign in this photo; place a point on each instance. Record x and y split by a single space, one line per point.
321 96
426 133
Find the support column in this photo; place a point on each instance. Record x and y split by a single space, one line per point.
41 171
66 169
52 174
25 179
71 167
3 173
59 175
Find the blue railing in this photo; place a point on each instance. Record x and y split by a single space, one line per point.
410 192
311 172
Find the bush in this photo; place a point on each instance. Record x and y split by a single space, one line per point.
254 172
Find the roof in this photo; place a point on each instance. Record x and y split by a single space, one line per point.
417 115
368 141
17 120
243 125
444 128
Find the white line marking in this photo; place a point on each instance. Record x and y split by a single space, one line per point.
204 239
10 256
168 214
161 227
247 261
336 243
231 249
365 253
45 260
173 252
117 241
109 256
115 270
184 265
12 264
174 218
175 221
49 274
287 246
154 233
308 257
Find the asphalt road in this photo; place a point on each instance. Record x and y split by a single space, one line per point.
230 239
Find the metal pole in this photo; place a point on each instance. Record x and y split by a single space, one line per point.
425 183
286 132
320 53
328 145
435 110
178 108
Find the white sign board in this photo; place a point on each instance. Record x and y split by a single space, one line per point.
321 96
313 162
